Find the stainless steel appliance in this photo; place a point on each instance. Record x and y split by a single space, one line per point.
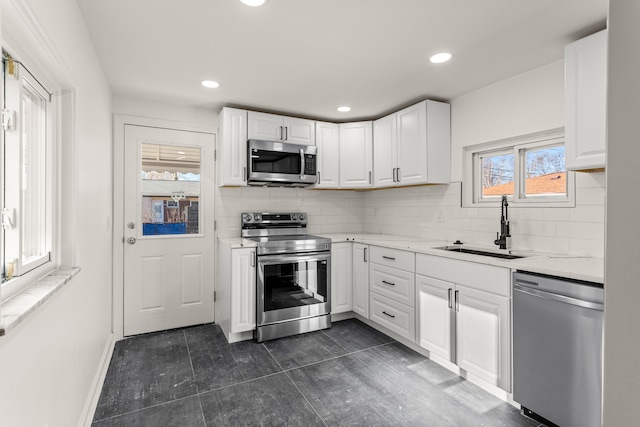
557 349
274 163
293 275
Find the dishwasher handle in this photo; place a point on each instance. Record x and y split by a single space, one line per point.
560 298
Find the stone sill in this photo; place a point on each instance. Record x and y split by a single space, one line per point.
21 305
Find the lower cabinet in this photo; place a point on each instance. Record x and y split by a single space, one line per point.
395 316
461 322
360 279
341 278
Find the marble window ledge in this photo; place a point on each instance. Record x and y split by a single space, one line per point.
18 307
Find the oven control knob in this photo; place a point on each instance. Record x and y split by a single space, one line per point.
301 217
294 217
256 217
247 218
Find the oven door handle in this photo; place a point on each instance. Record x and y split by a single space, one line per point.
285 258
302 171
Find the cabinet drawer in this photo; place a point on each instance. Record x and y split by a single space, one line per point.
487 278
393 315
393 258
399 285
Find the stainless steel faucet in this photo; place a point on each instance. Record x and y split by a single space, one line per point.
501 238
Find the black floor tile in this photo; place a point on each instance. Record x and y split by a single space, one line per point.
185 412
300 350
217 364
346 391
269 401
144 371
354 335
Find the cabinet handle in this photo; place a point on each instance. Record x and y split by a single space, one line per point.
281 133
318 177
244 173
253 259
388 257
397 174
286 133
388 283
390 315
369 177
365 254
449 297
457 301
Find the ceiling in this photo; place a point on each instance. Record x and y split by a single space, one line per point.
307 57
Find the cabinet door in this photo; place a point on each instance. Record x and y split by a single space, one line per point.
361 279
231 156
384 151
356 145
434 301
482 335
299 131
265 126
341 290
412 145
586 102
328 143
243 290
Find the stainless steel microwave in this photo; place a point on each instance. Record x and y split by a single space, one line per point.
281 164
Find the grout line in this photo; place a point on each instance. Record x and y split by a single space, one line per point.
305 398
146 407
193 372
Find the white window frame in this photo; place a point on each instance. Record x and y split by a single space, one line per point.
472 182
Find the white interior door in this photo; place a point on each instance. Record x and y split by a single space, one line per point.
168 229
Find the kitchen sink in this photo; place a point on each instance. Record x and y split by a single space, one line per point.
479 252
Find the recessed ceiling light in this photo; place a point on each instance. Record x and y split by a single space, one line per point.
441 57
344 109
181 152
254 3
210 84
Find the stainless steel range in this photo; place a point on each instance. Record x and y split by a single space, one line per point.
293 275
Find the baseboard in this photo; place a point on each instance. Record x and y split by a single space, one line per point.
98 381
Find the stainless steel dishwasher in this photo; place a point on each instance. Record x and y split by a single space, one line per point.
557 349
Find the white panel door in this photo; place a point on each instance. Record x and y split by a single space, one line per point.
384 151
232 147
356 151
328 143
341 290
299 131
265 126
243 290
412 144
360 282
434 310
168 229
482 335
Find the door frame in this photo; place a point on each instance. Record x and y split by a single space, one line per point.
119 123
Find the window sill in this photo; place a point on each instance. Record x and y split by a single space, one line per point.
19 306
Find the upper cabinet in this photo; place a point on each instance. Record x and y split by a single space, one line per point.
356 150
272 127
585 102
232 147
328 144
413 146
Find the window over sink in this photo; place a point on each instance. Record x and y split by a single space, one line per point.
529 170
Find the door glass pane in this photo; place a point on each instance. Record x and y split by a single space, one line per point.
545 172
496 174
170 189
295 284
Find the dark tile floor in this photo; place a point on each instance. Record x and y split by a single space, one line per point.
348 375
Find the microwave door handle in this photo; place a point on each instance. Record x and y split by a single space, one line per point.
301 163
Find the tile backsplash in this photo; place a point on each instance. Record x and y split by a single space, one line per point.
430 212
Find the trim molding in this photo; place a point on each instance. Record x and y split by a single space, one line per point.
96 386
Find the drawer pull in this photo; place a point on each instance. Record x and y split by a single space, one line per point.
390 315
388 283
388 257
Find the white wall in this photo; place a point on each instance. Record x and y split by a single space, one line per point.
622 269
50 361
192 116
528 103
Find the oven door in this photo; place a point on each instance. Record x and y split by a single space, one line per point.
292 286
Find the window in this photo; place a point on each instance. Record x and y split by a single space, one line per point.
529 170
28 176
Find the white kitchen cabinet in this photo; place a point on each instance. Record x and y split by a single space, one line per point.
236 292
397 317
413 145
328 158
273 127
360 280
231 153
586 102
341 277
356 155
463 315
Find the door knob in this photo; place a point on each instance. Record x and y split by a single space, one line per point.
131 240
131 225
